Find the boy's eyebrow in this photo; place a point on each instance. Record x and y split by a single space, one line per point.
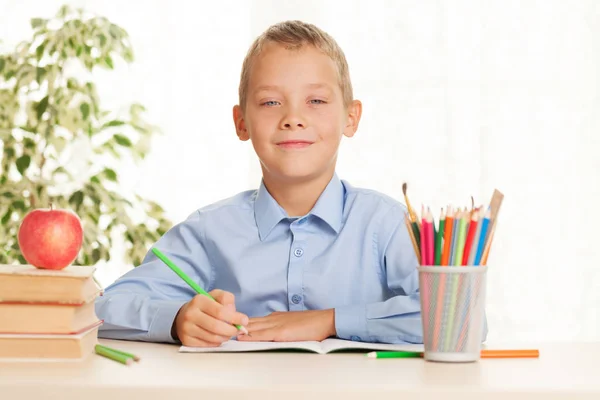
276 88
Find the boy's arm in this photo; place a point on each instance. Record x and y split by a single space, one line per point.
397 319
142 304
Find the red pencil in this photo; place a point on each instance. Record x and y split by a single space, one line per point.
470 236
429 237
424 250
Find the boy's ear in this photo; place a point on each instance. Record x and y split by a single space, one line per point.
353 118
240 124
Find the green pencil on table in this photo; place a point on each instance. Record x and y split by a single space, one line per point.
115 355
189 281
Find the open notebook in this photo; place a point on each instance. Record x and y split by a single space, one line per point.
324 347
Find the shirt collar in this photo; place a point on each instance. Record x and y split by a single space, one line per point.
329 208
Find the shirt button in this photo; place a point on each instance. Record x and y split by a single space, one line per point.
296 299
298 252
355 338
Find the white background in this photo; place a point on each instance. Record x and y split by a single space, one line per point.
460 97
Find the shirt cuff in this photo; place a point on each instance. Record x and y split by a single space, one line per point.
351 323
160 328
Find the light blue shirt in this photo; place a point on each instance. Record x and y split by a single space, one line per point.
351 253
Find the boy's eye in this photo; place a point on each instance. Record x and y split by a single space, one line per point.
317 101
270 103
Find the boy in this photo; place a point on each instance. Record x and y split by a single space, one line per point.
306 256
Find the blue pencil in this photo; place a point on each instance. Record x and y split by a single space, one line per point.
481 244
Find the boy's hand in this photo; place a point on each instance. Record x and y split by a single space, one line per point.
292 326
203 322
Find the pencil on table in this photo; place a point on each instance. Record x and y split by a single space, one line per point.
132 356
118 357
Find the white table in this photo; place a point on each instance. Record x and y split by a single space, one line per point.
563 371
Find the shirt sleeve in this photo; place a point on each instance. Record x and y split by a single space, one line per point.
143 303
398 319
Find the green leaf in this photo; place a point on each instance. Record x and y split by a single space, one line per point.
19 205
8 195
85 110
41 107
110 174
9 152
39 74
102 40
23 163
122 140
37 22
6 216
29 143
39 51
115 122
95 256
61 170
79 51
95 179
76 199
108 60
2 63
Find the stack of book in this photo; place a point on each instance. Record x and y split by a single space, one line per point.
46 314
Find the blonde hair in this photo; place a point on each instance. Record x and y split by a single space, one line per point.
294 35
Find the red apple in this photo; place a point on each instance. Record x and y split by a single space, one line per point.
50 238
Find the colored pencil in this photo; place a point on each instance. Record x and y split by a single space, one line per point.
460 245
118 357
412 238
455 226
470 236
189 281
447 236
482 236
430 234
439 239
485 353
424 250
132 356
473 249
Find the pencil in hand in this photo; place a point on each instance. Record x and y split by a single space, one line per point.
189 281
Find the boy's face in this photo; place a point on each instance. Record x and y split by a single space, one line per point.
294 113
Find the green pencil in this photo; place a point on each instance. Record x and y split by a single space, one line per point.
439 240
189 281
118 357
460 244
395 354
133 356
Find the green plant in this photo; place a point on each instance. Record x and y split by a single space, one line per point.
48 105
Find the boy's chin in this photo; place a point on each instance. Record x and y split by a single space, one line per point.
296 175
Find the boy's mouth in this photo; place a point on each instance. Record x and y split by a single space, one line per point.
294 144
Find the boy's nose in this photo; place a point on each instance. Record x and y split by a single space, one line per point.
288 125
292 121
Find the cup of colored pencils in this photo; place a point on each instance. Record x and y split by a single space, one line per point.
452 270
